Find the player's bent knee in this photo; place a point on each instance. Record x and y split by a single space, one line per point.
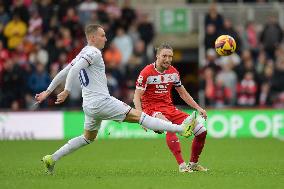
90 135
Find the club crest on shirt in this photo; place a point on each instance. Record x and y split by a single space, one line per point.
167 78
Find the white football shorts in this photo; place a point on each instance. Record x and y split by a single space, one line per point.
108 109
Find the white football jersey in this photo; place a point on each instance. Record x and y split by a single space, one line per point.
93 78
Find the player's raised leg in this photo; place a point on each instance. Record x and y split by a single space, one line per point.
158 124
197 147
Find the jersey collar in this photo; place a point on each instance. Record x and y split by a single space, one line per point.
154 64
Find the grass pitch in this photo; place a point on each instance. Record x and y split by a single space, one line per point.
137 163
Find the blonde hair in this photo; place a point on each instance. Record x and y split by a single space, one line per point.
92 28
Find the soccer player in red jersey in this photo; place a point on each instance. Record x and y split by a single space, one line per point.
153 96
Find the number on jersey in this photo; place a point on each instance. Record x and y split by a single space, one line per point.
84 79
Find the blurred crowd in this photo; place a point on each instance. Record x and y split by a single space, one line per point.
234 1
40 37
254 75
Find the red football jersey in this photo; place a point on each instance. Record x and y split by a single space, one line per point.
157 86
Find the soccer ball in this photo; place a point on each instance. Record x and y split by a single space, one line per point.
225 45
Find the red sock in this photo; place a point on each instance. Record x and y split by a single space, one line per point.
174 146
197 146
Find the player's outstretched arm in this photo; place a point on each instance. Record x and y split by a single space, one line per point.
190 101
72 74
137 98
59 78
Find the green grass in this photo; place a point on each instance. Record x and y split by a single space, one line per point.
139 164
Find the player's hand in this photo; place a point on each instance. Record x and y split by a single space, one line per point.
203 113
41 96
61 97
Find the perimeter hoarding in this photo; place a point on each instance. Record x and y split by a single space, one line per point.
31 125
235 123
220 124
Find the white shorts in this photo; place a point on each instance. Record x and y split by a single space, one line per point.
107 109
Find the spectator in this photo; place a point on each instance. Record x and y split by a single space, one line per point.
136 63
66 37
250 40
15 31
45 9
261 62
112 56
39 55
271 36
112 9
133 33
85 10
4 55
222 94
211 61
146 29
20 9
277 83
210 36
128 14
4 17
61 61
214 18
13 87
35 21
265 95
38 80
246 90
267 75
207 85
229 81
71 21
123 42
247 64
20 56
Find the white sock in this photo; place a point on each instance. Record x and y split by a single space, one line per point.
199 128
159 124
71 146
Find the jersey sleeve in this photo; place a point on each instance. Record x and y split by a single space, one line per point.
91 57
177 81
141 82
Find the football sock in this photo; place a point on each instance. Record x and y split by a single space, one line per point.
199 128
159 124
71 146
197 146
174 146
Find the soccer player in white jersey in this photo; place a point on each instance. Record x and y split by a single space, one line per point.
98 105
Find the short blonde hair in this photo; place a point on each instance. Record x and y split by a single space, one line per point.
92 28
